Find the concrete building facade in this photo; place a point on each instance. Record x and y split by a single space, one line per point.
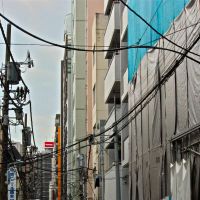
116 96
93 7
44 171
100 109
78 99
66 104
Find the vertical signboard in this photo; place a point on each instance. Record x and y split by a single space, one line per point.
11 178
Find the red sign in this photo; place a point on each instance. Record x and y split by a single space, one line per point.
49 144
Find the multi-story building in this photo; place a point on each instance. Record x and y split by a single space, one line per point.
96 109
53 182
17 152
55 186
73 99
93 7
42 167
36 174
68 162
77 100
66 104
116 96
100 109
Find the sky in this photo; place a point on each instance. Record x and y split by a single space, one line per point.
45 18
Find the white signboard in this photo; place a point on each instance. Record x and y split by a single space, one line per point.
11 177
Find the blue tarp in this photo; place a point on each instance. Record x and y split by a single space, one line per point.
160 14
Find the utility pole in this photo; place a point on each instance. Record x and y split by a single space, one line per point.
102 123
116 151
80 171
3 184
24 156
82 174
24 137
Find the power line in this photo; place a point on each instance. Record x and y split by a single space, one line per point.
2 83
14 63
17 106
12 58
69 47
183 54
164 78
6 91
63 172
161 2
47 155
100 46
90 148
155 30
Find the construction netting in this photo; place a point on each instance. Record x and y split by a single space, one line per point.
158 13
165 93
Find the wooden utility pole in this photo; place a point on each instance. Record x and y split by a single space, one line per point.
24 148
3 172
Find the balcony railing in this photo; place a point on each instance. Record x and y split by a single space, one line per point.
112 34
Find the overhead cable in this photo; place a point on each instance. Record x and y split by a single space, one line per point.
12 58
163 79
69 47
155 30
100 46
14 63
